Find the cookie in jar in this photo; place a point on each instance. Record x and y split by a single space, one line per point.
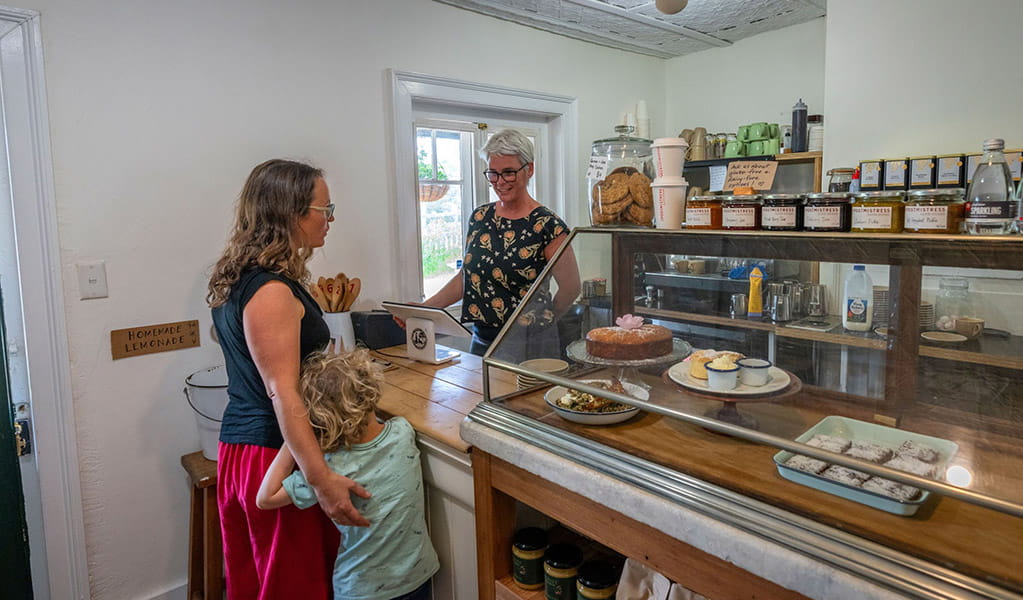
619 181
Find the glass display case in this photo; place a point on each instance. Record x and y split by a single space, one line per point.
899 438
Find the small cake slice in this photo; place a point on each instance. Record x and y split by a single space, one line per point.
845 475
874 453
912 465
918 451
892 489
806 463
831 443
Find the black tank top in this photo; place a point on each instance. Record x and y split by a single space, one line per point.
249 417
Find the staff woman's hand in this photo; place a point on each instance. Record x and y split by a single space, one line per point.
334 495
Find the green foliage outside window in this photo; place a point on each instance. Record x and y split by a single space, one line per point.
426 169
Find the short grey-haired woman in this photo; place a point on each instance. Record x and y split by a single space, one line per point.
508 244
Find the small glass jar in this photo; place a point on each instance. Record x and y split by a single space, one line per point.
952 301
597 580
561 566
740 213
703 212
528 547
935 211
619 177
878 212
782 212
839 180
827 211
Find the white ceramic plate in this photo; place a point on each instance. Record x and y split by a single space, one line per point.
870 432
592 418
944 337
777 380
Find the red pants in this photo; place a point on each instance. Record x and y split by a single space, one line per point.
270 554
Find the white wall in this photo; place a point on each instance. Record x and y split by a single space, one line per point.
908 78
755 79
158 111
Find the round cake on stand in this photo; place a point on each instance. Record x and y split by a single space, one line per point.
629 345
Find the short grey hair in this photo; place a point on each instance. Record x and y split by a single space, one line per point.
509 142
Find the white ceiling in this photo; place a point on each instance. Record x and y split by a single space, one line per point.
637 25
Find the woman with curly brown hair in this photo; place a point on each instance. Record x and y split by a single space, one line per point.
267 323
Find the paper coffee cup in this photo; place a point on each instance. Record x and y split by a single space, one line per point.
669 201
669 156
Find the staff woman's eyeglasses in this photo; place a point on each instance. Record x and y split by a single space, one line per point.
509 175
329 209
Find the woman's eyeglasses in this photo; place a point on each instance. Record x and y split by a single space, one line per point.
329 209
509 175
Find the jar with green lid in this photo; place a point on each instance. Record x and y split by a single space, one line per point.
935 211
597 580
528 547
561 567
740 213
878 212
827 211
782 212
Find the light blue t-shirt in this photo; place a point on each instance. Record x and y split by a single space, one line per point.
393 556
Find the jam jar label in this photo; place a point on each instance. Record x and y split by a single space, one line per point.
698 217
948 170
778 216
927 217
822 217
872 217
870 175
528 571
739 216
989 210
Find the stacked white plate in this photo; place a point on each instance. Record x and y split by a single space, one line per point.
881 306
926 315
553 366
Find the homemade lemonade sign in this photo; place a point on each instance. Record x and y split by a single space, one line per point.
148 339
757 174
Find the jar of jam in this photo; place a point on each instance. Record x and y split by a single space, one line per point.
561 566
827 211
782 212
878 212
935 211
528 547
597 580
703 212
741 213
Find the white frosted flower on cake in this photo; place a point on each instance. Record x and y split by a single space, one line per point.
628 322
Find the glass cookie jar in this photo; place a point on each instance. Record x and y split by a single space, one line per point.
618 178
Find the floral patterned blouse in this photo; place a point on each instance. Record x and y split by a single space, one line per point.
502 259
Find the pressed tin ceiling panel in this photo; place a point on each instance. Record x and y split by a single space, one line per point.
637 25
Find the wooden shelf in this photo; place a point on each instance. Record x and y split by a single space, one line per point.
505 589
977 358
791 157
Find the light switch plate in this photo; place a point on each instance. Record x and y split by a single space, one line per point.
92 279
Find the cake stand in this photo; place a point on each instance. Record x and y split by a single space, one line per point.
729 412
627 369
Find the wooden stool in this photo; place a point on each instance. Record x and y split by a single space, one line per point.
205 551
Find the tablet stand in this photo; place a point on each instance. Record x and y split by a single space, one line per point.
422 342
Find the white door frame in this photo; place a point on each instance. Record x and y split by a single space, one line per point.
42 303
560 112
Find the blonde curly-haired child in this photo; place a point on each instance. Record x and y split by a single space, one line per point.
393 557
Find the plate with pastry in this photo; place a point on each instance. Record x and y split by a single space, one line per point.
691 373
580 407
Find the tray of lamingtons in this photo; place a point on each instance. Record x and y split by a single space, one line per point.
914 453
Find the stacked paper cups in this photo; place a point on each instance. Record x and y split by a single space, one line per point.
669 187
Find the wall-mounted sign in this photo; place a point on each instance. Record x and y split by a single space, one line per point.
757 174
148 339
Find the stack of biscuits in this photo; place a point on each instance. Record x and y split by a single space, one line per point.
624 196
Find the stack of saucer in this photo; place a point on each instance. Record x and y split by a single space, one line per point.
881 305
926 315
553 366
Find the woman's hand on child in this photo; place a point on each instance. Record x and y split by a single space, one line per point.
335 497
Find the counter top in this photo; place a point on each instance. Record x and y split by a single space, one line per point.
435 398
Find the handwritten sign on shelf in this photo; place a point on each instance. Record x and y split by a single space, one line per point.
717 178
757 174
149 339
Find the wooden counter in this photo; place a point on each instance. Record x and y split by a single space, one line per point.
435 398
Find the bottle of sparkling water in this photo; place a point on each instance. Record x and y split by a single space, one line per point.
990 199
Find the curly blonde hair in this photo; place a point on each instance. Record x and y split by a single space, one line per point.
341 392
276 193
